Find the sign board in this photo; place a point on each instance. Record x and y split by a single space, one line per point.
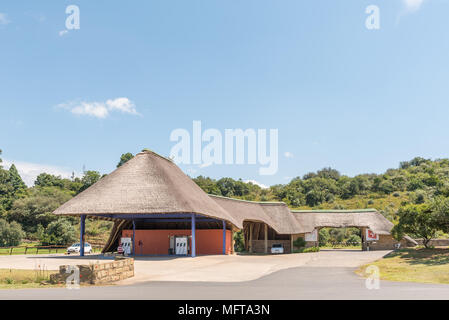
312 236
371 236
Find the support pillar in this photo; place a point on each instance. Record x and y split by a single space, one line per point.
193 249
291 243
224 237
232 241
82 231
251 237
134 237
266 238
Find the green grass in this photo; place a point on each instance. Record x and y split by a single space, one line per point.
414 265
21 279
340 246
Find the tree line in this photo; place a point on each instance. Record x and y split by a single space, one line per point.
420 188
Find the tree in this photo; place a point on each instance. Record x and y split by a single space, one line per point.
419 220
89 178
11 234
16 181
59 232
37 208
125 158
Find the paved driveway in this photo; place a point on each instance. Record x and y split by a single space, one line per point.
219 268
323 275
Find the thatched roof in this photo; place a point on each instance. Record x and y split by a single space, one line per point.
369 218
146 184
152 184
276 214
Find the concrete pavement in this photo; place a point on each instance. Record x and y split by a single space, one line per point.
321 275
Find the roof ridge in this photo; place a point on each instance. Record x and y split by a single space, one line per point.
335 210
148 151
248 201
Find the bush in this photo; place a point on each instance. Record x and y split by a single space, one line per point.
353 240
311 249
299 243
11 234
59 232
239 241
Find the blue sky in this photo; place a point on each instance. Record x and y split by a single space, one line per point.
340 95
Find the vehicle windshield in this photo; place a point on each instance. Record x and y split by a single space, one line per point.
277 245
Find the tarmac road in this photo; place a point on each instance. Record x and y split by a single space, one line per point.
296 283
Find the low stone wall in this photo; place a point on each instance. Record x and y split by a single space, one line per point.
435 242
98 273
385 242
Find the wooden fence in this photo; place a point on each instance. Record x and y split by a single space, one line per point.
36 249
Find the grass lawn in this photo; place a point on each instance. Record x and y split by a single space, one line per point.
414 265
21 279
338 246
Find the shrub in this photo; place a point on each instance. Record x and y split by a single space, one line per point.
59 232
311 249
299 243
11 234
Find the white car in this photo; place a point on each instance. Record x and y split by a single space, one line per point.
277 248
75 248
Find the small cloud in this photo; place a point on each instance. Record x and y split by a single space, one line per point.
288 155
100 110
4 19
263 186
94 109
205 165
30 171
63 33
122 104
412 5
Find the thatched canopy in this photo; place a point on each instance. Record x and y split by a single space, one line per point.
368 218
275 214
146 184
151 184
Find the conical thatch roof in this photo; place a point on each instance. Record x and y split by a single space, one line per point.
369 218
146 184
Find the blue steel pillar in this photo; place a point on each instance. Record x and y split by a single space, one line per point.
193 249
224 237
82 228
134 237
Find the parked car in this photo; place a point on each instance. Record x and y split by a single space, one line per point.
277 248
75 248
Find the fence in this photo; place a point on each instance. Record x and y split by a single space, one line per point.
37 249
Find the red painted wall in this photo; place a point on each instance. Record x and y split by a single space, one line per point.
157 242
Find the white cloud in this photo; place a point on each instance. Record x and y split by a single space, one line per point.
412 5
30 171
4 19
288 155
263 186
63 33
100 110
122 104
205 165
94 109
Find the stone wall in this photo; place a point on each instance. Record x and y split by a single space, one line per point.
98 273
385 242
435 242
